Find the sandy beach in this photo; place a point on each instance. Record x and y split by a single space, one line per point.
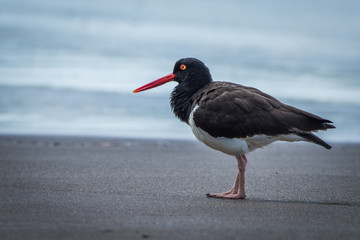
90 187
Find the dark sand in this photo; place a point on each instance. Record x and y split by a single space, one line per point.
90 188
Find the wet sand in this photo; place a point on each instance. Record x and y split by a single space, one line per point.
90 187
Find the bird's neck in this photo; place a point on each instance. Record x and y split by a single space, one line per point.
181 100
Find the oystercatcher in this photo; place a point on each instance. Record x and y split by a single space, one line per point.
233 118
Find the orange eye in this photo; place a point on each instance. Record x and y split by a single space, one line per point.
182 66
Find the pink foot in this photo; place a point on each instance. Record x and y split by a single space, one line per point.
238 190
227 195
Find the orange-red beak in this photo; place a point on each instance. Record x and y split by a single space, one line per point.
156 83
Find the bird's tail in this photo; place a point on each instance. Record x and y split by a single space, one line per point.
315 139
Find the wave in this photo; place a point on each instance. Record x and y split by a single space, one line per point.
307 88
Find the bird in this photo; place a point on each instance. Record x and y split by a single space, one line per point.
233 118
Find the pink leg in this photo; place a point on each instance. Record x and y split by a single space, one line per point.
238 190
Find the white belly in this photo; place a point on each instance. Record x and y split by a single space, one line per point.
236 146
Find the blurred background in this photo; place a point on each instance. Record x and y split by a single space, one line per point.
69 67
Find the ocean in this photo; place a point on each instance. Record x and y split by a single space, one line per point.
69 67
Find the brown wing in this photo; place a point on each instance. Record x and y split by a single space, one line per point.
232 110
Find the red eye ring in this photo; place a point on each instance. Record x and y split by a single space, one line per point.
182 67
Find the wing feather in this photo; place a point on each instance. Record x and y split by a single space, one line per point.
232 110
